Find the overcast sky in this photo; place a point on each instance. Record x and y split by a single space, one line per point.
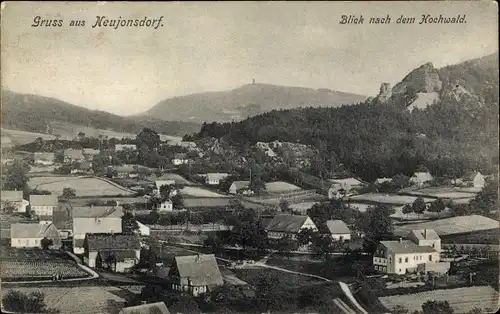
219 46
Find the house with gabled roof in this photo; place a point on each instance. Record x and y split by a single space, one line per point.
215 178
43 158
150 308
89 153
94 219
43 205
421 253
239 186
180 158
30 235
420 178
195 274
339 230
13 199
71 155
478 180
116 252
383 180
285 225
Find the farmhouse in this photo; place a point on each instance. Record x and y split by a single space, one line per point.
89 153
156 308
61 218
338 229
383 180
478 180
288 225
126 171
238 187
94 219
195 274
14 200
41 158
125 147
215 178
165 205
31 235
43 204
71 155
179 159
82 167
116 252
338 191
143 229
420 178
426 237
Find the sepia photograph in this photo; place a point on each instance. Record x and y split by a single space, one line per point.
302 157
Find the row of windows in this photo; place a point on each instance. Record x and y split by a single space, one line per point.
415 258
36 242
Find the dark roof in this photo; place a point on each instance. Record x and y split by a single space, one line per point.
406 246
286 223
107 241
43 200
337 227
158 308
425 234
119 255
201 269
28 230
61 218
11 196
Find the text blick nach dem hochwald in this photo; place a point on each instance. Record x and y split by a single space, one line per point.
424 19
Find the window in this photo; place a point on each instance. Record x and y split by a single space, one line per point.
400 260
406 259
430 258
420 257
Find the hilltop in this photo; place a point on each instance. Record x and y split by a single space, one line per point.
444 119
35 113
247 100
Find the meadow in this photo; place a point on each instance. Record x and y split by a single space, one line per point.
281 187
390 199
83 186
199 192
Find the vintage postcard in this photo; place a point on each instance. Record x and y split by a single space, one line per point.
249 157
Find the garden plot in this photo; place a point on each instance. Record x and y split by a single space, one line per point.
454 225
82 186
462 300
199 192
390 199
281 187
447 212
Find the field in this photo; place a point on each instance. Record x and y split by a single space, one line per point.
425 215
23 137
303 206
386 198
483 237
199 192
281 187
461 300
80 299
446 192
32 264
172 176
454 225
83 186
286 280
121 200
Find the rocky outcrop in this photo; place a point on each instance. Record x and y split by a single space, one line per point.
424 79
385 93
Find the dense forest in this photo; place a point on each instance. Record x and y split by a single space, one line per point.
374 139
34 113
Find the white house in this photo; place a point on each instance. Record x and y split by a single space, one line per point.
143 229
383 180
179 159
43 158
124 147
339 230
478 181
30 235
116 252
422 254
237 186
89 153
215 178
165 205
13 199
420 178
284 225
71 155
43 205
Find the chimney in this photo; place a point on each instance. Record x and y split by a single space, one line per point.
425 233
400 240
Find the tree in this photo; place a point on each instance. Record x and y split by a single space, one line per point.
400 180
227 295
437 206
257 185
46 243
407 209
437 307
8 208
20 302
376 223
184 304
305 236
418 206
269 294
165 192
177 201
129 224
149 138
16 176
68 193
284 206
475 310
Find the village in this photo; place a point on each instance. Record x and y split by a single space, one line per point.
124 225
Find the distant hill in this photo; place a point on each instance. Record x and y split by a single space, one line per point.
41 114
247 100
444 119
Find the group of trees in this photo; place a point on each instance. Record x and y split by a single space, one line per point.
435 307
19 302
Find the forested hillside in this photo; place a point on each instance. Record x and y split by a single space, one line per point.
376 138
36 113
